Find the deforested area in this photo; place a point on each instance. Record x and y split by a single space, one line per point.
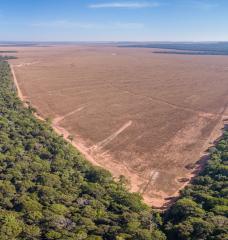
147 116
114 120
49 191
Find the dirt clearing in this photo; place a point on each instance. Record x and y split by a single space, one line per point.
138 114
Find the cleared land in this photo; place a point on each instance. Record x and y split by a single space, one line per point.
143 115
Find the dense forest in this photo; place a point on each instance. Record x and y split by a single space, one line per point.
202 211
49 191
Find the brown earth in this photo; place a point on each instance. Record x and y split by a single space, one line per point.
147 116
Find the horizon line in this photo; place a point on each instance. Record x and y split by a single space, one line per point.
113 41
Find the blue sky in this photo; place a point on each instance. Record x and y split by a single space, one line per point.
110 20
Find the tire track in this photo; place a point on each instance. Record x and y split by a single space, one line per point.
107 140
59 119
158 100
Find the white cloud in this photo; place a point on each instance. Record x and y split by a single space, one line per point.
129 5
88 25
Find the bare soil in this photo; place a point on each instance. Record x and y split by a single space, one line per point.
138 114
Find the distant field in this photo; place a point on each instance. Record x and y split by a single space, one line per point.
143 115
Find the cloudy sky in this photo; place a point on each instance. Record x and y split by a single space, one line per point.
110 20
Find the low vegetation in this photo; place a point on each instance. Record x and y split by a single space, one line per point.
8 51
48 191
4 58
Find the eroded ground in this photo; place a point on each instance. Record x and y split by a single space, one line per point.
143 115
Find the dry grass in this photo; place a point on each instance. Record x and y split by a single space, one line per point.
135 113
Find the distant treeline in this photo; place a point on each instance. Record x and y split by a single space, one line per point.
220 48
49 191
9 51
5 58
191 52
18 44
